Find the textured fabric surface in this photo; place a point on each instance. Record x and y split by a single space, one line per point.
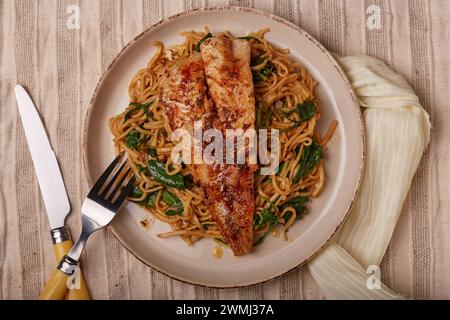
397 133
60 67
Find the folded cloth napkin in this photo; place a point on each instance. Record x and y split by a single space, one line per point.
397 133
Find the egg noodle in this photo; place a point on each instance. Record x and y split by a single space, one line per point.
285 100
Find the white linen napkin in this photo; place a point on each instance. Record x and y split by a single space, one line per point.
397 133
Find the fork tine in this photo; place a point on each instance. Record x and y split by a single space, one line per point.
113 180
123 195
96 188
118 186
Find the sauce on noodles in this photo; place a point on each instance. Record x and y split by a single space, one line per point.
285 100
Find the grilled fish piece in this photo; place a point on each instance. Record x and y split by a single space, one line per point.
230 82
225 66
230 199
229 188
183 92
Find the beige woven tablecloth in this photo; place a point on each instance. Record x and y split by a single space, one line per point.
60 67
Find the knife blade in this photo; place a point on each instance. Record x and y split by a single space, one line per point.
51 184
45 163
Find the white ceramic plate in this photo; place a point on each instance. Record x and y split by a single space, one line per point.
343 165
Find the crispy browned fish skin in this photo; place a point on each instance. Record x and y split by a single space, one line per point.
229 188
183 92
229 79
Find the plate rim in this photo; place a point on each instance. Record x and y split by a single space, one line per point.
295 28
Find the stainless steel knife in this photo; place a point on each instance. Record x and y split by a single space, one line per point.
51 184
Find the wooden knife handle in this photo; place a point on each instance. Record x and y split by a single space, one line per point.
80 291
56 287
62 243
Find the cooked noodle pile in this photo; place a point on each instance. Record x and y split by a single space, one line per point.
285 100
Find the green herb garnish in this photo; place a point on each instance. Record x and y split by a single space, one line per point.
172 212
249 38
298 203
141 168
311 156
150 200
266 217
136 192
197 46
158 171
173 202
257 60
132 139
138 106
152 152
288 216
264 73
305 110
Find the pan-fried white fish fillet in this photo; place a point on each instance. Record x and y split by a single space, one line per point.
183 92
224 65
229 188
230 82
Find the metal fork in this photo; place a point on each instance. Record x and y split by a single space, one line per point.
99 208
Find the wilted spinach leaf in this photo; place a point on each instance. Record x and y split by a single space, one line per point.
132 139
157 170
311 156
305 110
138 106
266 217
197 46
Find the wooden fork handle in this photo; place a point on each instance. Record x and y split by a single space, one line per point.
79 291
62 243
56 287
